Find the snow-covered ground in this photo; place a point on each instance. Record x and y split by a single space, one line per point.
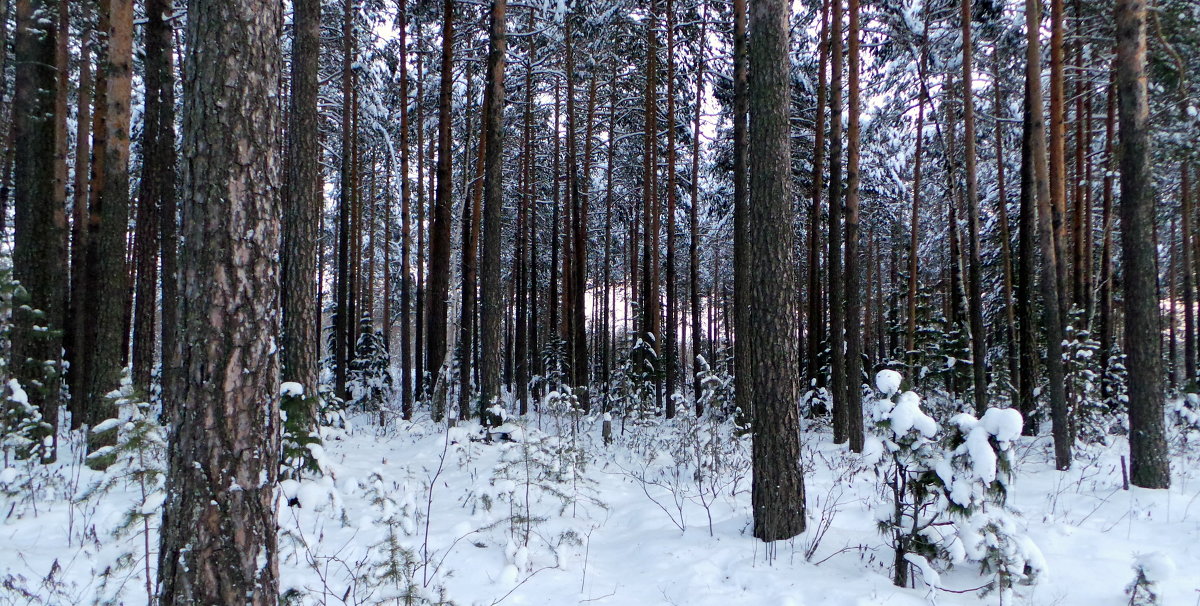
557 517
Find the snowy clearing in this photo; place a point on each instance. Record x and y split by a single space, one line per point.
623 524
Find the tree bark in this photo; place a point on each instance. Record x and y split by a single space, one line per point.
39 214
343 317
302 200
1148 460
1049 272
218 542
816 311
837 309
491 301
768 325
107 293
853 278
406 345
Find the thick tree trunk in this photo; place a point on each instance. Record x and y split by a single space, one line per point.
218 541
107 293
158 183
491 301
768 326
1147 435
40 216
439 231
160 45
302 200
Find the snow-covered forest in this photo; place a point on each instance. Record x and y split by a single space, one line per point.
803 302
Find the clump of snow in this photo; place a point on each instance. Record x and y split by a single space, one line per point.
18 394
1003 423
1156 567
291 389
907 414
928 573
888 382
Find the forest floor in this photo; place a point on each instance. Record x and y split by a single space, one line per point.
557 517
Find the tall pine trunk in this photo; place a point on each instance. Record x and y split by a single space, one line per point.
218 542
39 217
768 326
108 290
1052 319
853 278
1148 463
439 230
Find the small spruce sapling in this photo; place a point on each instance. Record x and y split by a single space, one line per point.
137 461
976 476
300 430
370 381
905 443
1151 570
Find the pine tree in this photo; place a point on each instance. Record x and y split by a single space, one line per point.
218 542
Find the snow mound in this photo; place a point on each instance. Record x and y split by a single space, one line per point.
291 389
1156 566
907 414
1004 423
888 382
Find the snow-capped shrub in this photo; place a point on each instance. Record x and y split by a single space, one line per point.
946 491
1150 570
976 480
299 429
904 445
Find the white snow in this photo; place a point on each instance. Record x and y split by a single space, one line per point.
1156 566
888 382
18 394
291 389
907 414
617 541
1003 423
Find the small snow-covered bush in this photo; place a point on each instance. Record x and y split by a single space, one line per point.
299 430
138 464
976 482
904 446
1150 570
946 491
